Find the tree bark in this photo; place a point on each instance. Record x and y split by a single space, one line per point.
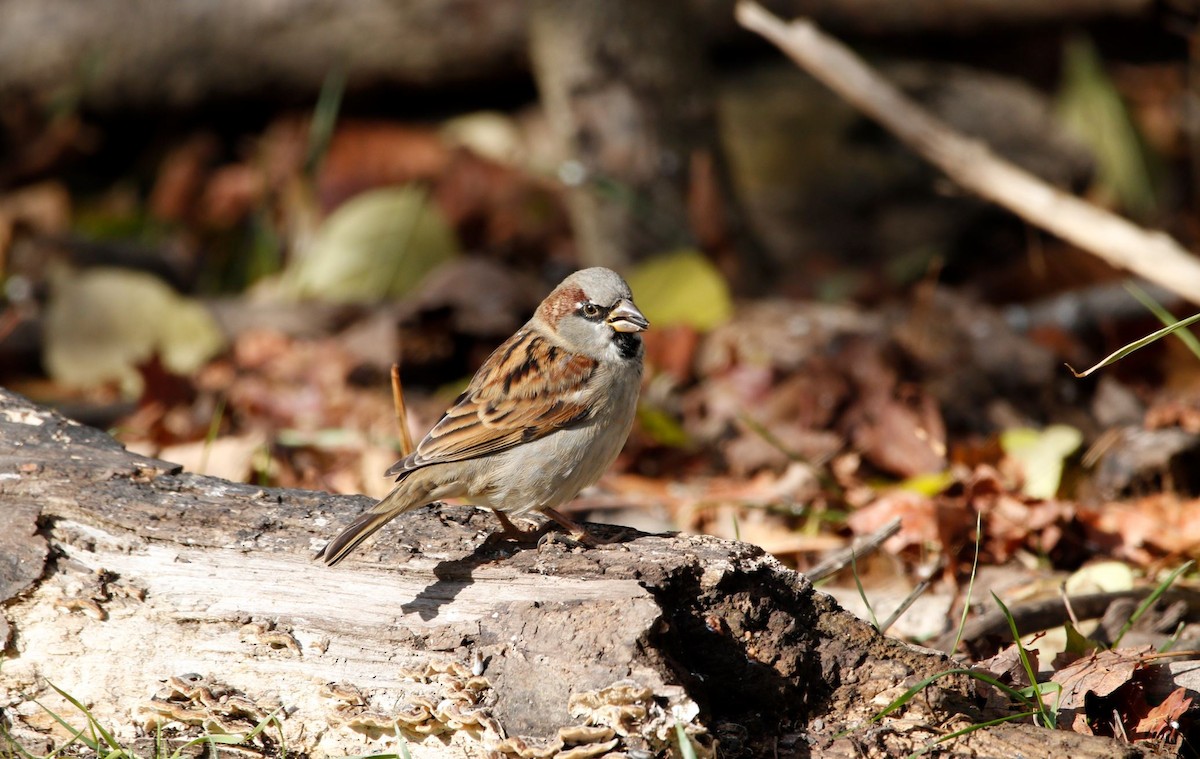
148 53
160 598
629 97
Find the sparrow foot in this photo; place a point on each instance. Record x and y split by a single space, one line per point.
576 533
569 541
512 532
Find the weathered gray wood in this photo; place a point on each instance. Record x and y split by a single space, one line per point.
188 597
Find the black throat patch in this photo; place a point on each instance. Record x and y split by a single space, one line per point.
628 344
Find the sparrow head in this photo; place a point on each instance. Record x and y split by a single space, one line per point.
592 311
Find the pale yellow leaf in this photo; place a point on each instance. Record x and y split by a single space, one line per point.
681 288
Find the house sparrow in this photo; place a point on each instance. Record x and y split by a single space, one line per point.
542 419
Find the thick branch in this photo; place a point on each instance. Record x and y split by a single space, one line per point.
149 53
1152 255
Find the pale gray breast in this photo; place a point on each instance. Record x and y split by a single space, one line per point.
552 470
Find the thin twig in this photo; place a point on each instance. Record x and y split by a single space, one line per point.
862 547
1043 614
406 441
916 593
1153 255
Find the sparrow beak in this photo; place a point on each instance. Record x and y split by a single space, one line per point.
624 317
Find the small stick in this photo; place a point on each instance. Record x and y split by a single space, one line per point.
922 586
406 442
861 547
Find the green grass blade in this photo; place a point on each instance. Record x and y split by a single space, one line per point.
973 728
230 739
1173 640
9 744
1049 718
1164 316
862 591
324 118
908 695
686 749
214 428
76 734
1122 352
108 737
962 621
1151 599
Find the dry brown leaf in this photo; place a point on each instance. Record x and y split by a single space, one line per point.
181 177
367 154
232 193
1007 666
1101 673
672 350
1175 409
44 208
918 519
1161 523
897 427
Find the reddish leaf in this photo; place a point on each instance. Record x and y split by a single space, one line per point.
1166 715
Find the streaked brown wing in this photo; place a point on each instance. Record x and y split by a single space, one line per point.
526 389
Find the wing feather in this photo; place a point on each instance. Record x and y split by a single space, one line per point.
526 389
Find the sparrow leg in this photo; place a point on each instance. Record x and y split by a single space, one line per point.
576 531
511 531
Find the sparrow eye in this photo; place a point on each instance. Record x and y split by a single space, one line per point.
591 310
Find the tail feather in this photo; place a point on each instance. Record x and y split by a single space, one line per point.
364 526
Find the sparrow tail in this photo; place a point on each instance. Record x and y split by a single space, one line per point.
366 525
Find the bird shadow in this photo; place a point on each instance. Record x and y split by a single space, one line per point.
455 575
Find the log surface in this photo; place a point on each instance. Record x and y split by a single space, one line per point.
155 596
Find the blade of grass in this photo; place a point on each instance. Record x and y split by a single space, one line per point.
686 749
1164 316
908 695
962 622
1173 640
324 119
911 598
76 733
228 739
1049 718
1124 351
109 739
973 728
862 591
1150 600
9 746
76 736
214 427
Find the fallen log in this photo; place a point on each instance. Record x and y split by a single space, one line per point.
171 605
147 54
